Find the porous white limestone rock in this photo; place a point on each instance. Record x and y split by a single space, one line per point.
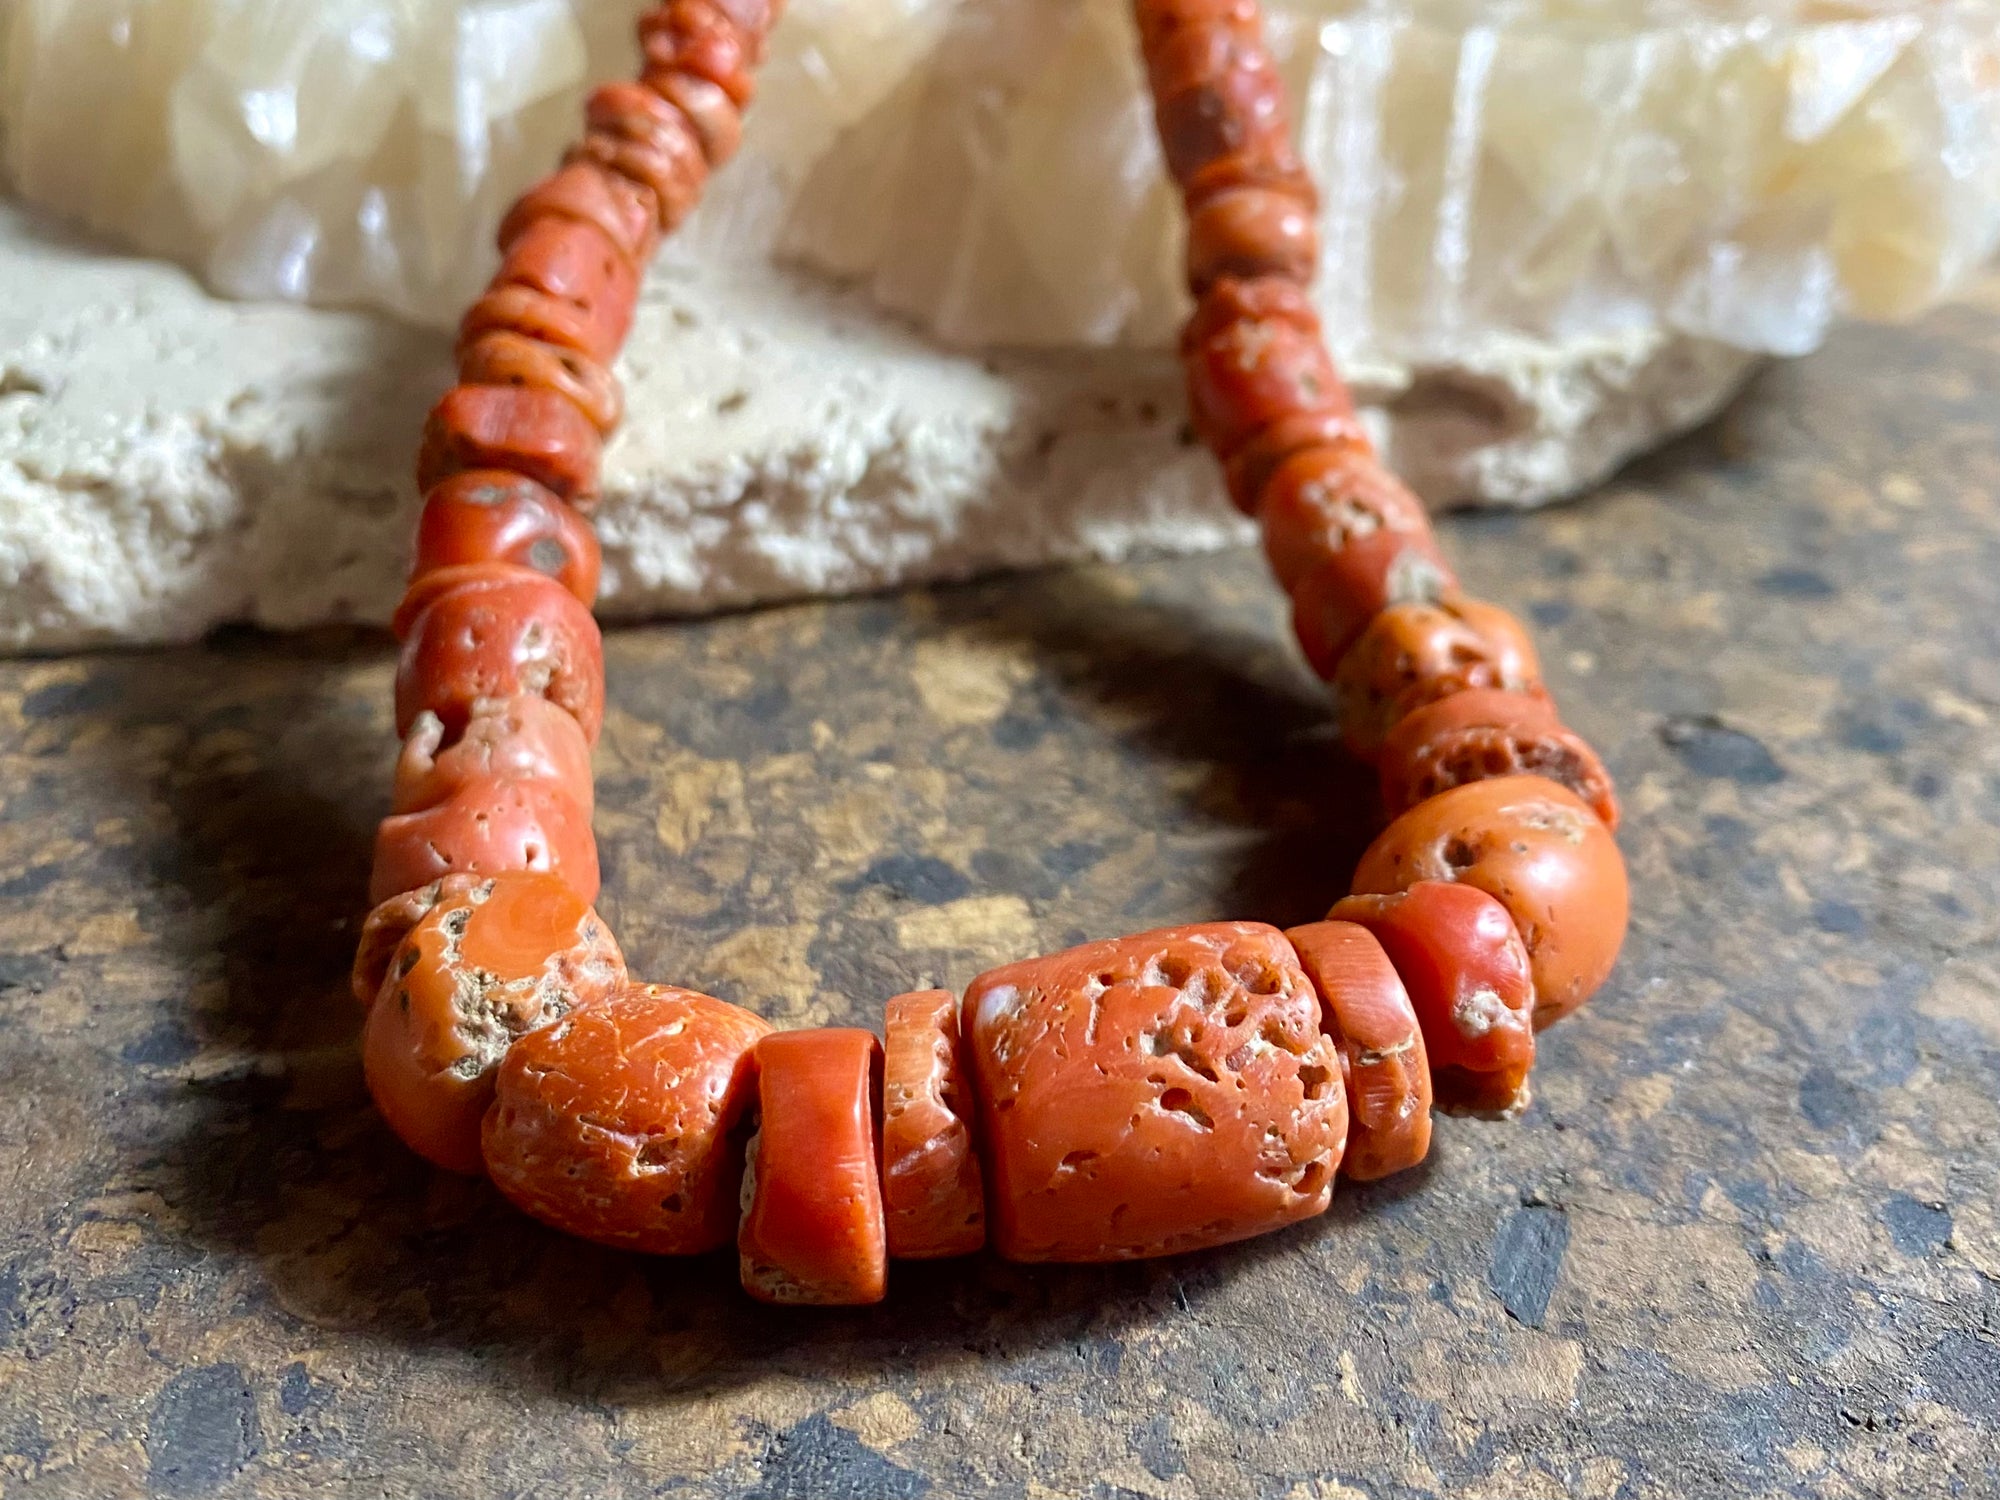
171 461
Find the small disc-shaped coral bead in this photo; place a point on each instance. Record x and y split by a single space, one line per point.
1152 1094
1538 849
812 1228
490 630
1367 1012
491 516
483 967
931 1189
623 1122
1486 733
1466 973
524 737
488 826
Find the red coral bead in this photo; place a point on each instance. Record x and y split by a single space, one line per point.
1367 1012
931 1189
1466 972
493 631
487 827
1153 1094
623 1123
521 429
492 516
813 1229
485 966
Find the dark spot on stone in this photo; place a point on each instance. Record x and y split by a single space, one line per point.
1018 732
1158 1451
1926 784
162 1045
1527 1258
1071 858
59 699
1963 1371
1560 564
1837 916
1870 736
919 877
1796 583
30 882
815 1460
203 1429
1709 747
1550 612
1826 1099
295 1390
1918 1228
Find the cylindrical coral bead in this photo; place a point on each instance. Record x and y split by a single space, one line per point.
486 827
579 264
491 516
1485 733
492 631
931 1189
813 1228
522 429
1250 231
1466 972
626 212
1367 1012
1344 592
1153 1094
524 737
1414 654
623 1123
1537 848
1253 356
504 357
483 967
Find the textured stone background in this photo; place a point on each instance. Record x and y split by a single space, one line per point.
1747 1241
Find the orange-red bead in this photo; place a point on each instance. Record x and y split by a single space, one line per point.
931 1191
491 516
626 212
813 1228
1542 853
485 966
1466 972
1414 654
1323 499
1344 592
1482 734
623 1123
504 357
1250 231
579 264
524 737
1153 1094
1367 1012
389 922
493 631
522 429
635 132
488 826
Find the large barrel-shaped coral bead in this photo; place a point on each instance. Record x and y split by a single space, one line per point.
623 1123
1152 1094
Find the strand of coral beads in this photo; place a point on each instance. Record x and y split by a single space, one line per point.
1150 1094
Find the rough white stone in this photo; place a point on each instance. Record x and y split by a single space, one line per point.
170 461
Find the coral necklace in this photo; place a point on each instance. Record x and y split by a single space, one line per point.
1150 1094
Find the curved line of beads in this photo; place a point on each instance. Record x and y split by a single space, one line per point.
1146 1095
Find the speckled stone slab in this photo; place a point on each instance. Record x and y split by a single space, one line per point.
1746 1242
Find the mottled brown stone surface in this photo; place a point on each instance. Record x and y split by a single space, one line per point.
1746 1242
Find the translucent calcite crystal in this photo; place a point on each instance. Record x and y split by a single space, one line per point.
1537 171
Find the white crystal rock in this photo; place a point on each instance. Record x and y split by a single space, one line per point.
1543 169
